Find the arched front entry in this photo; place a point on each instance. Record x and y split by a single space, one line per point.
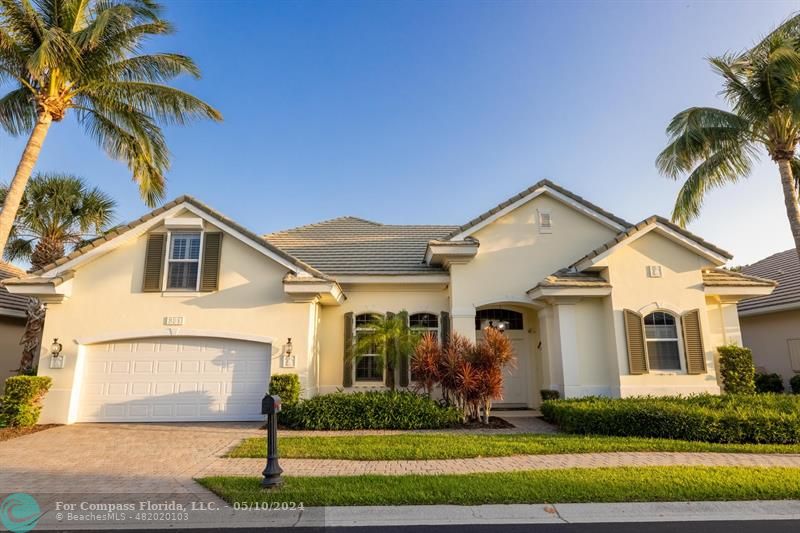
519 325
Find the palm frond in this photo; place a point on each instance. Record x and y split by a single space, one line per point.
723 167
17 111
695 134
153 68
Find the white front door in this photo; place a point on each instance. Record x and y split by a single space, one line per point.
174 379
516 382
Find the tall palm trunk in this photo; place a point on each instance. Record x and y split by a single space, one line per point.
17 188
790 198
46 251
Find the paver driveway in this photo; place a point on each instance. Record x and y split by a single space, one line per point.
116 458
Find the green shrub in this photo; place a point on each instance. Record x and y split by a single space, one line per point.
548 394
769 382
287 386
736 369
732 418
369 410
794 383
21 402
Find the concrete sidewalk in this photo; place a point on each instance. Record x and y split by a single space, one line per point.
433 515
224 466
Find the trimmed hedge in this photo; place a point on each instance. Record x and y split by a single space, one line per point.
287 386
736 369
765 418
21 402
369 410
769 382
795 384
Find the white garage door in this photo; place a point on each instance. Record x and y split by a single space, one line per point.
174 379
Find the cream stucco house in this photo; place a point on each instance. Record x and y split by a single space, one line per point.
184 314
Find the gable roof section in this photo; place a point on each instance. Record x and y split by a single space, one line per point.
645 226
528 194
354 246
199 208
784 267
12 304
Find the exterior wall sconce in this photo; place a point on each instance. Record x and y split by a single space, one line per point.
288 360
56 359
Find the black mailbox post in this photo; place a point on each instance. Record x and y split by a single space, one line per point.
271 406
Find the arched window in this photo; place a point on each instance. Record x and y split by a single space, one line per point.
663 346
486 317
368 361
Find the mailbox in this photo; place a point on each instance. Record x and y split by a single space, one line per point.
270 405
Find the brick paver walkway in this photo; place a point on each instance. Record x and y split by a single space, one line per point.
332 467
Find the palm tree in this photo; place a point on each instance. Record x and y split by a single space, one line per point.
714 147
85 55
389 338
56 211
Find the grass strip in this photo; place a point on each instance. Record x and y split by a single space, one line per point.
450 446
634 484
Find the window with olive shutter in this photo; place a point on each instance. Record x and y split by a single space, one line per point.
347 370
637 351
154 262
209 272
693 342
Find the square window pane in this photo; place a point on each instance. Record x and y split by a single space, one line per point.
185 246
368 368
663 355
182 276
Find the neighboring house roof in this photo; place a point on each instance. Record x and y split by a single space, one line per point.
12 304
530 190
643 225
720 277
119 230
784 267
354 246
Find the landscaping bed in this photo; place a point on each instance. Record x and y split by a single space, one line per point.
640 484
454 446
8 433
745 418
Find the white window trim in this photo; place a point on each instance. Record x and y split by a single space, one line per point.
370 383
437 329
678 339
165 278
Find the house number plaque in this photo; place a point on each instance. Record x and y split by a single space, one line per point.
173 320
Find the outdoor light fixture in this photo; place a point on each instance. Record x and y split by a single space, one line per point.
288 360
56 359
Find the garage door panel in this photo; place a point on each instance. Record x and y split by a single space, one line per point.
174 379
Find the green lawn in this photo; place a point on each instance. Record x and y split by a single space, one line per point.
671 483
454 446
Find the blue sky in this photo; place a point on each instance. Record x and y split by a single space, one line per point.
435 111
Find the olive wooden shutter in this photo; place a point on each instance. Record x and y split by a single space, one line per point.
209 271
154 262
637 348
693 342
390 360
403 362
349 323
444 325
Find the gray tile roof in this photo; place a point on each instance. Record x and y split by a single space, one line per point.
14 302
570 278
783 267
720 277
354 246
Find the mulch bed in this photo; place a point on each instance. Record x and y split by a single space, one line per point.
12 433
494 423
